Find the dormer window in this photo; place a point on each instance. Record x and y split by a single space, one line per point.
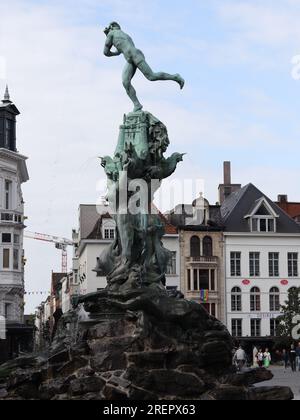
263 217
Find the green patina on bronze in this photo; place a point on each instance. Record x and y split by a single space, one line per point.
137 256
135 60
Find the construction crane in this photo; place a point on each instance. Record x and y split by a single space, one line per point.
60 243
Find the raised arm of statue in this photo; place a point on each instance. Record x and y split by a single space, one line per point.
108 46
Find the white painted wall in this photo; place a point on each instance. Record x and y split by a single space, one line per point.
171 242
264 244
11 277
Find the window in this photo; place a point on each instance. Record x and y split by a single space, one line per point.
274 324
8 186
254 258
8 311
9 133
237 327
255 300
211 308
6 238
255 327
189 283
195 247
292 264
171 269
236 300
16 239
235 264
293 296
212 280
274 264
202 280
207 246
6 257
16 259
274 300
196 286
109 233
263 224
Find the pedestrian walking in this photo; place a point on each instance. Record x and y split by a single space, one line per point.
267 359
293 357
260 358
240 358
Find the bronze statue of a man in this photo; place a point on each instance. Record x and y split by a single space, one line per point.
135 60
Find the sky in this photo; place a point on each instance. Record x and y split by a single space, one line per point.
240 103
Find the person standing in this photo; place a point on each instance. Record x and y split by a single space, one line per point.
255 359
267 359
292 357
298 356
285 359
240 358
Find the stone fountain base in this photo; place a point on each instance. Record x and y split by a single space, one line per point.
138 345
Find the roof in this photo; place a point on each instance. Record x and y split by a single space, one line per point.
239 204
96 233
89 215
292 209
178 217
10 107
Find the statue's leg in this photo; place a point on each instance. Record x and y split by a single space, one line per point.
153 77
128 74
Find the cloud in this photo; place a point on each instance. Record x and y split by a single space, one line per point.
263 22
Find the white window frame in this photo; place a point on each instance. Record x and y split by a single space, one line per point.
172 266
234 259
291 262
253 262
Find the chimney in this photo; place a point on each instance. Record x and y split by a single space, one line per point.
226 189
227 173
282 198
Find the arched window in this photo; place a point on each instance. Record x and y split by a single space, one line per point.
274 299
236 300
255 305
207 246
195 247
293 296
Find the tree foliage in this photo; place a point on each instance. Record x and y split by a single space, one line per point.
289 311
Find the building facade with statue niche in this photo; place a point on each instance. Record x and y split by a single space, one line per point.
13 173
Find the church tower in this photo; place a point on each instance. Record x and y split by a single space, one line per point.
13 173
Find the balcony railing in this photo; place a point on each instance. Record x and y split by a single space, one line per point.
203 260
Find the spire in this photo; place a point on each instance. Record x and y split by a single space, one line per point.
6 96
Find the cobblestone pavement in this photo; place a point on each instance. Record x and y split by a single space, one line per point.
285 378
